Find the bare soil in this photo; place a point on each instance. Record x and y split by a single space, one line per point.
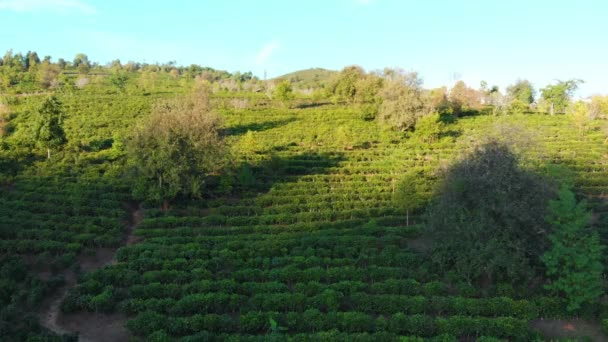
90 327
572 329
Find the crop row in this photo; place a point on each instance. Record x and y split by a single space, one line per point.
312 321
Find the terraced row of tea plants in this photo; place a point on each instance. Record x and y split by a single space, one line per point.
54 214
308 243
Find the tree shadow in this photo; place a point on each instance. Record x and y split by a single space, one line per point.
255 126
304 105
13 164
250 179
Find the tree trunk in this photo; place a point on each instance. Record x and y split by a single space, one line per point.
552 110
48 153
165 206
407 218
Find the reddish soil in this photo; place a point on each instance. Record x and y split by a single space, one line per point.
571 329
90 327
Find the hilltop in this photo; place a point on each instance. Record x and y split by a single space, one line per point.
309 78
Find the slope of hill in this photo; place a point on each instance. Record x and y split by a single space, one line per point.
309 78
310 245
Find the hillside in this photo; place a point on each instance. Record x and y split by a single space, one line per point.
309 244
309 78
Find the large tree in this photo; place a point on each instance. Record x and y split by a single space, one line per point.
176 148
522 91
49 124
557 96
464 99
574 262
403 100
344 85
487 221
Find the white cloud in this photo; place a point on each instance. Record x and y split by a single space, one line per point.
267 50
59 6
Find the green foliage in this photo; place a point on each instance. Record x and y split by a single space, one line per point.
344 85
487 220
316 247
49 124
411 192
521 91
283 91
581 117
574 262
430 127
119 79
174 150
517 107
557 96
402 100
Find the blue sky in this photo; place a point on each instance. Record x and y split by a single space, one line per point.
496 41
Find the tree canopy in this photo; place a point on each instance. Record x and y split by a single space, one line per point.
557 96
403 100
49 129
521 91
574 262
487 221
176 148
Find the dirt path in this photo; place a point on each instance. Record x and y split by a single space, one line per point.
573 329
90 327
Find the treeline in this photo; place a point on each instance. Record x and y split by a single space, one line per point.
397 96
26 73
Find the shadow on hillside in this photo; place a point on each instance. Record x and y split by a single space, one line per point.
250 179
256 127
304 105
11 165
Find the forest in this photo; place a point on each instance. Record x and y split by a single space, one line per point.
159 202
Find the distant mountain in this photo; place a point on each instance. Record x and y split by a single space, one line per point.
309 78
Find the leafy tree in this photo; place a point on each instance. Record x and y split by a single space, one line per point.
580 115
343 87
81 62
518 107
174 150
61 63
410 194
402 99
48 74
598 106
487 221
557 96
574 262
367 88
430 127
49 125
464 99
283 92
438 101
521 91
30 61
119 79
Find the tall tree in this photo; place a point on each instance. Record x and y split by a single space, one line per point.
174 150
557 96
283 92
403 101
411 192
82 63
49 125
522 91
487 221
463 98
343 87
574 262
